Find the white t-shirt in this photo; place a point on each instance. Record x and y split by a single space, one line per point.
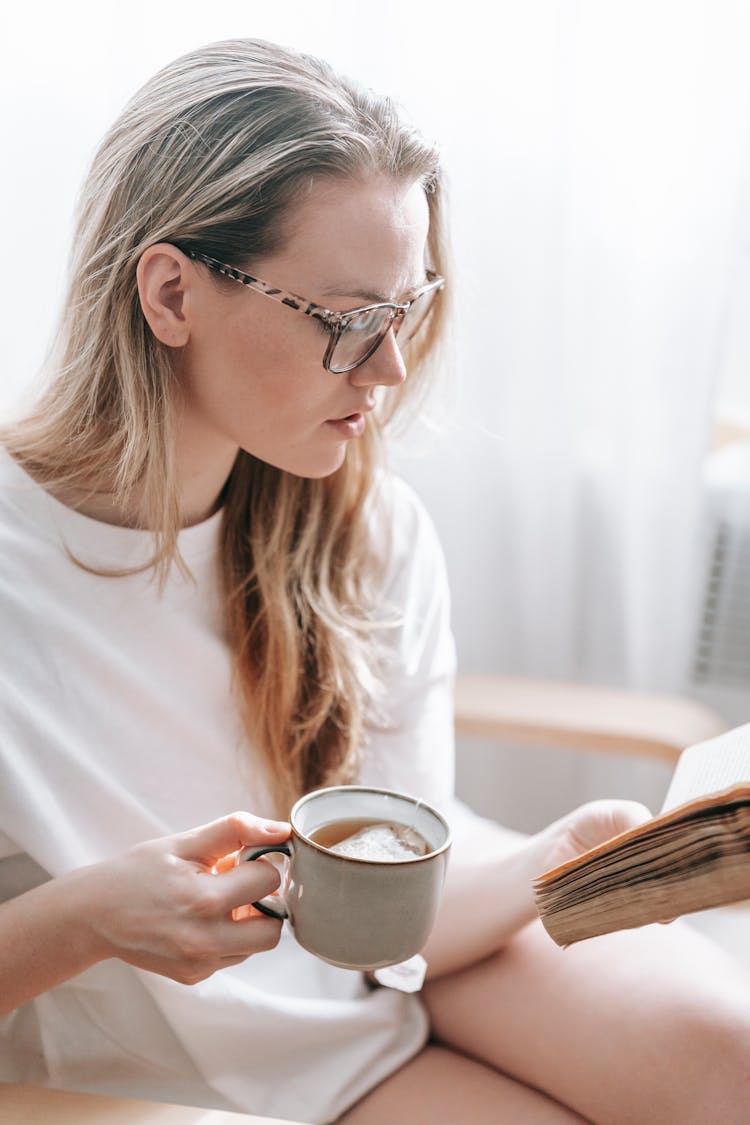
117 725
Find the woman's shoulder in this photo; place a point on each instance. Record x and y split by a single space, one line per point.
32 551
404 535
26 526
16 492
399 514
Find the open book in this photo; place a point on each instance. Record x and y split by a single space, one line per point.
694 855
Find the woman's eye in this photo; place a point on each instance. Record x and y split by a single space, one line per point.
366 323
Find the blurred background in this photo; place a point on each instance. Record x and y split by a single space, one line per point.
588 465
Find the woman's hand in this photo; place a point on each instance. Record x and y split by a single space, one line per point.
489 892
585 828
166 905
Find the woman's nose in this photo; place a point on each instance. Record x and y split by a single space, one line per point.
385 367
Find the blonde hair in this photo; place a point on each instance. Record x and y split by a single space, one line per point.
209 155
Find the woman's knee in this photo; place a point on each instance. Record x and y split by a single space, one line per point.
648 1026
710 1064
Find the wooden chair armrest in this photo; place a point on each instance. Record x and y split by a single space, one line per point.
581 716
28 1105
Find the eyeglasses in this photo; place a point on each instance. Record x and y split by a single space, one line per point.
354 335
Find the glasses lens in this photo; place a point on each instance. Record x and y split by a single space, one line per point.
360 336
364 332
415 317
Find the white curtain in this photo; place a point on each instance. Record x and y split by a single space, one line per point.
596 152
606 160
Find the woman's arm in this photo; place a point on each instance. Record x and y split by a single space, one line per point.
159 906
488 894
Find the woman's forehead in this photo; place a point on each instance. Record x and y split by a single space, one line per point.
355 239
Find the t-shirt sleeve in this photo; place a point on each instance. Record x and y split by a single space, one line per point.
411 744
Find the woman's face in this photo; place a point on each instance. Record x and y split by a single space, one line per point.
252 369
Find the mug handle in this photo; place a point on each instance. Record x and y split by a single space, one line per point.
264 904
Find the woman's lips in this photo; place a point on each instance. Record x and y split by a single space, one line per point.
352 426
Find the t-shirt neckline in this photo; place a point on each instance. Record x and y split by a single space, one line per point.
101 542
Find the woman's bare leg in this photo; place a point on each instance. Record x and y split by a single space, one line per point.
646 1026
441 1087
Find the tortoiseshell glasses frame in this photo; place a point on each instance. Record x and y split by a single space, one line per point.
355 334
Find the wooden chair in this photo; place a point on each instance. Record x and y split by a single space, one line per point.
503 710
581 716
28 1105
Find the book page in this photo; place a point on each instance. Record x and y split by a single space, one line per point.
709 767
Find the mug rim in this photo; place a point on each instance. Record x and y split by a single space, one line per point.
385 792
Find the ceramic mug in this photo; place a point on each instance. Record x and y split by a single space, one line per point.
358 913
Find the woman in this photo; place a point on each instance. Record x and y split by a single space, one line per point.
214 596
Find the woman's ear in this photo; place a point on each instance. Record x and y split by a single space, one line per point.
163 277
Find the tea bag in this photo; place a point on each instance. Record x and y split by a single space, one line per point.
382 843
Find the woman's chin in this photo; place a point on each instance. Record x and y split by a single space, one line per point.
313 467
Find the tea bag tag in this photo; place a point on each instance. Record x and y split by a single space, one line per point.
407 976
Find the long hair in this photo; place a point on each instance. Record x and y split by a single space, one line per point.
210 154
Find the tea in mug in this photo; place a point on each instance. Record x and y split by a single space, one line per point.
377 841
